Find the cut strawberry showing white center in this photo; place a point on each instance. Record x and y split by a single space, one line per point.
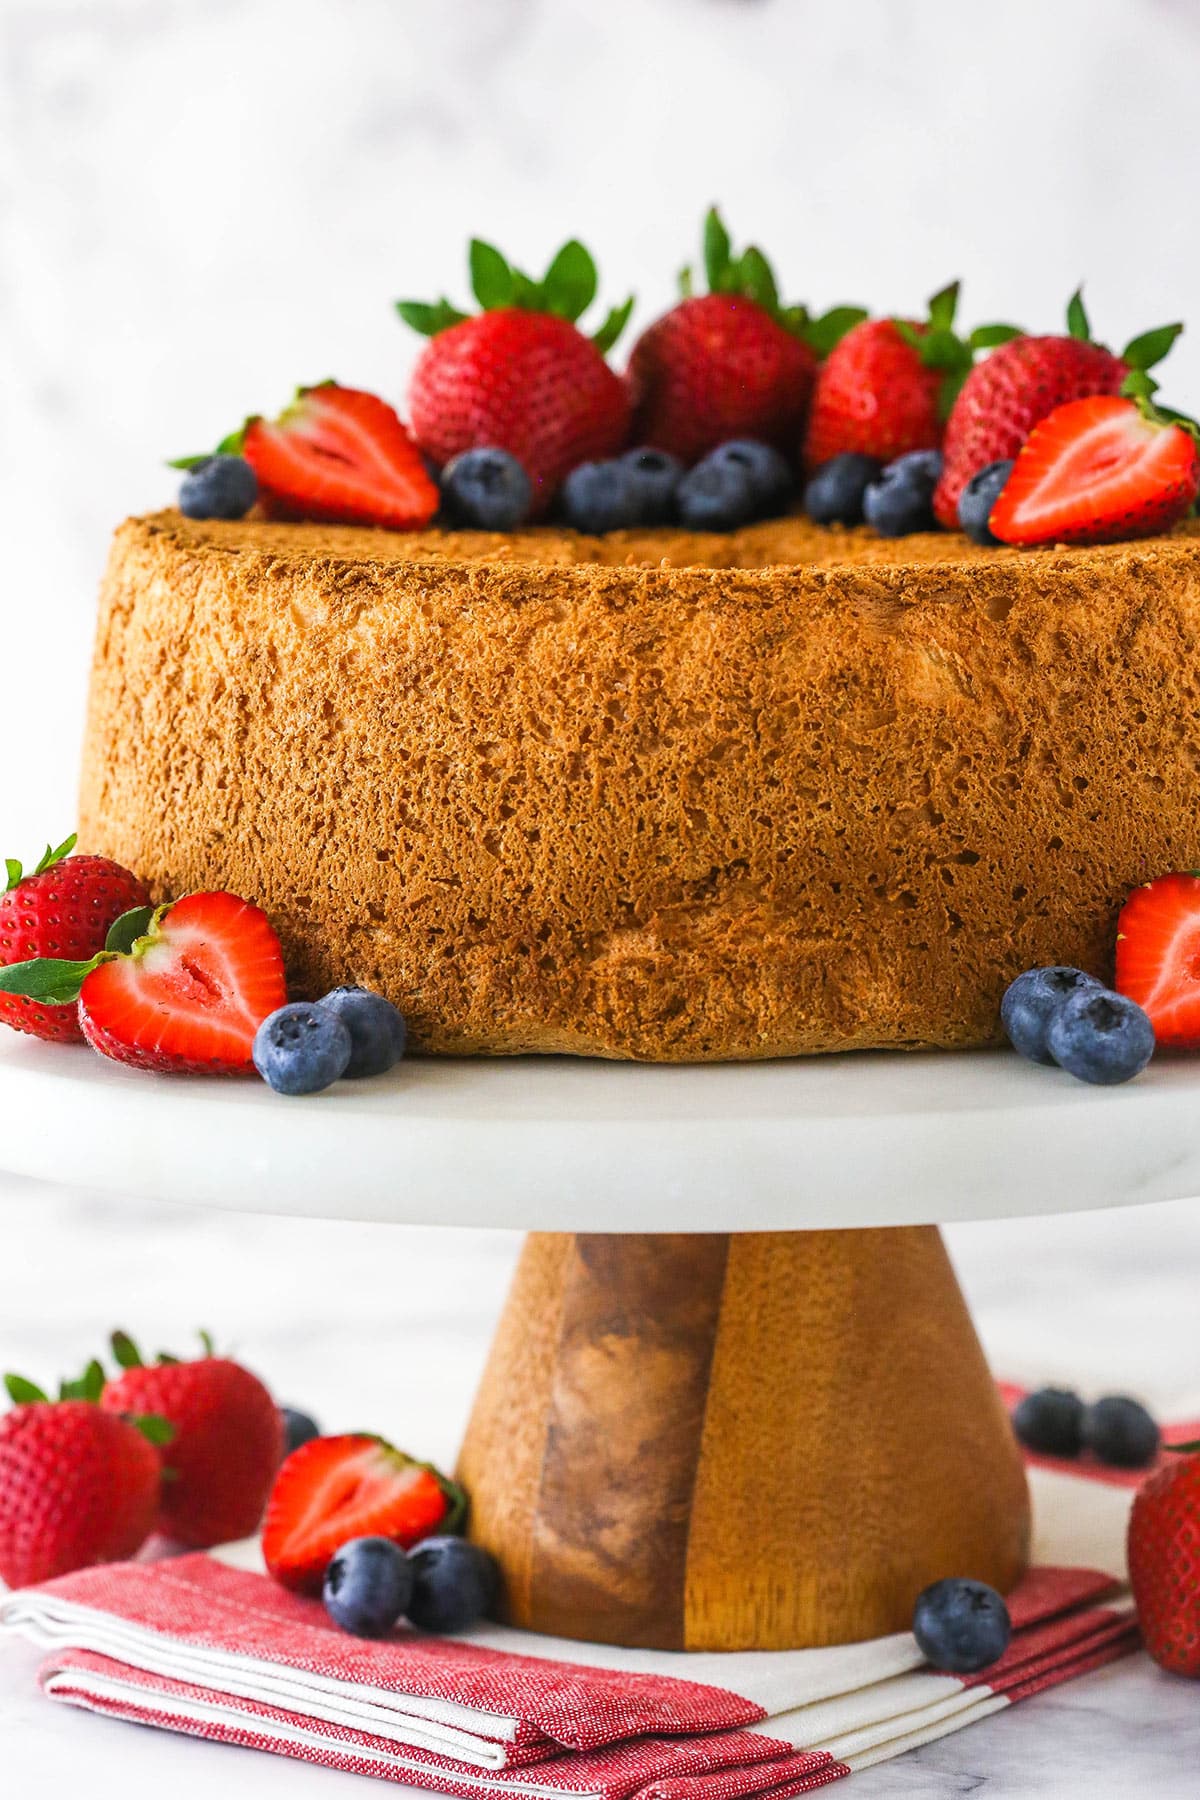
1096 471
340 454
1158 956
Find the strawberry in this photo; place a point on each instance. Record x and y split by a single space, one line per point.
1095 471
63 909
182 990
1013 390
227 1441
337 454
1158 956
336 1488
886 388
520 375
1164 1561
77 1485
731 363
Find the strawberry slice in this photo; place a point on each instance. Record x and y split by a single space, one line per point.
340 455
1158 956
336 1488
1095 471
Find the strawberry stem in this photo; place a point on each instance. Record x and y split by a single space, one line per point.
22 1392
566 291
49 857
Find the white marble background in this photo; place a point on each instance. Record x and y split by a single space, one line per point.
203 202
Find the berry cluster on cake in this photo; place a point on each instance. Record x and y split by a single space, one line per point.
792 691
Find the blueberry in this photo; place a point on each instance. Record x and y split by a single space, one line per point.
901 500
716 496
377 1031
1100 1037
220 487
602 496
487 489
298 1428
834 495
977 499
770 474
961 1625
454 1583
302 1048
1120 1431
1050 1421
1032 1000
657 476
368 1586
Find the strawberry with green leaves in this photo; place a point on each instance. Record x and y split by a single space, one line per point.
226 1439
887 387
732 363
179 990
1164 1561
63 908
519 375
78 1485
1022 382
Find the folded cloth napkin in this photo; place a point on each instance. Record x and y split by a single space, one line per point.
211 1647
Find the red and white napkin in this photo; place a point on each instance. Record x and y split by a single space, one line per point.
206 1647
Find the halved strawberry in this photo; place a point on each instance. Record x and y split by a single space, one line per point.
1158 956
182 990
1098 470
340 455
336 1488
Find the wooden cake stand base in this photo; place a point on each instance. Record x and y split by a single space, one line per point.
761 1440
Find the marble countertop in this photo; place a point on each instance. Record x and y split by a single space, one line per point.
389 1327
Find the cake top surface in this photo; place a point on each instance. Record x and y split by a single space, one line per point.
777 543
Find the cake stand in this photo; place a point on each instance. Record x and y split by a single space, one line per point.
735 1399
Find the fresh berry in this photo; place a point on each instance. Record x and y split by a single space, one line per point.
78 1485
340 455
1032 1000
218 487
961 1626
298 1428
226 1447
901 500
63 910
302 1048
1096 471
732 363
888 386
1100 1038
768 471
1158 956
834 495
1023 381
378 1033
487 489
657 476
520 376
602 496
368 1586
454 1583
1120 1431
337 1488
1164 1562
716 496
977 499
1050 1421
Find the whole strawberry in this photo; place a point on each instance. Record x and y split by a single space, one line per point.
519 376
62 910
1025 380
78 1485
886 389
226 1446
1164 1561
732 363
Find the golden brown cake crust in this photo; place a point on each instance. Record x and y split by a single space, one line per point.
654 795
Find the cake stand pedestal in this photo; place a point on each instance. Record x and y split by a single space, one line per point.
735 1400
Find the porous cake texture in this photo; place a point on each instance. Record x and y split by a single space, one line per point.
660 796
